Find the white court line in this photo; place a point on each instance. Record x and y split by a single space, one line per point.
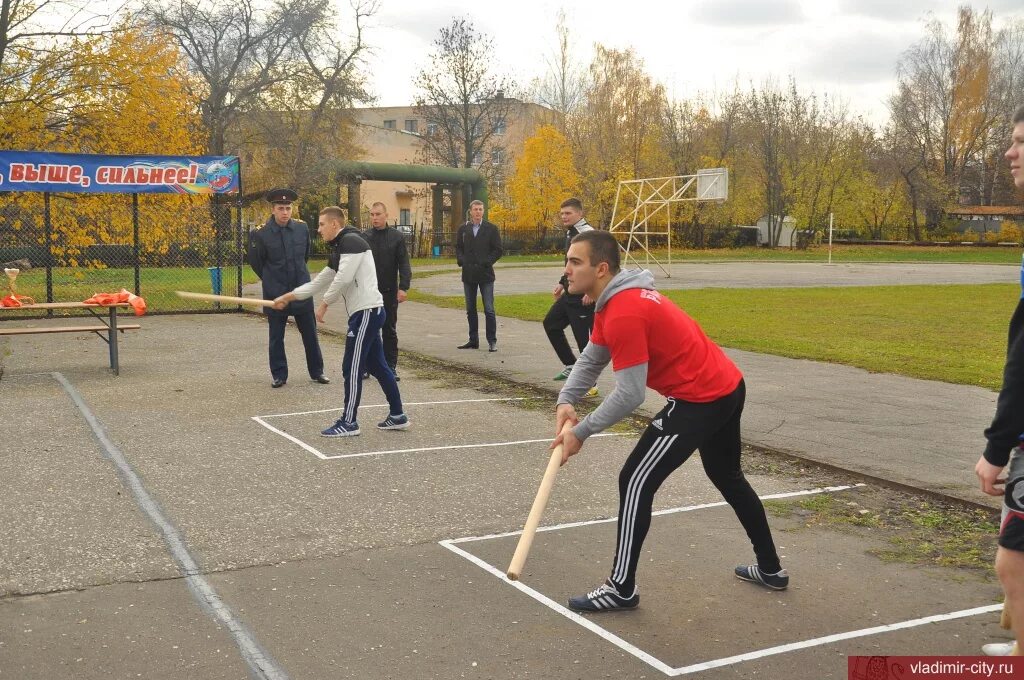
706 665
460 446
838 637
408 403
658 513
296 440
571 615
324 457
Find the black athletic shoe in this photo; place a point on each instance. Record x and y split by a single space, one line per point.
278 382
322 379
753 573
604 598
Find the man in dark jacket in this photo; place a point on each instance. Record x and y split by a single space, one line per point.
278 253
477 248
393 275
1004 449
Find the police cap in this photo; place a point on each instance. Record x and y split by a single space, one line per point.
282 196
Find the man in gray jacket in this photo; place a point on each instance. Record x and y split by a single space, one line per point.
350 276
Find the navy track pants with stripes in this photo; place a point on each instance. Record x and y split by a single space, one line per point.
364 351
712 427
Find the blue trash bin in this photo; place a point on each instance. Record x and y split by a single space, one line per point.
437 252
215 279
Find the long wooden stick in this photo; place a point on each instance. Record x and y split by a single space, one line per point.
249 302
515 568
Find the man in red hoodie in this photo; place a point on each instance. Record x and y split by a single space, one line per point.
1004 438
652 343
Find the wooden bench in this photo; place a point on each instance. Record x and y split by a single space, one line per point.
107 330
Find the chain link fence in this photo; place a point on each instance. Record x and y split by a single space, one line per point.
76 245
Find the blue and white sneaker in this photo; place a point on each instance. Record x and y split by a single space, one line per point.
399 422
341 429
605 598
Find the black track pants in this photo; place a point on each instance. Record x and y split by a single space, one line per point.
712 427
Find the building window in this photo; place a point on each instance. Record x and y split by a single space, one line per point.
389 125
477 158
412 125
498 157
499 127
403 214
431 129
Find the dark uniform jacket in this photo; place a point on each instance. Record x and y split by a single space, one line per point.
477 254
278 255
390 257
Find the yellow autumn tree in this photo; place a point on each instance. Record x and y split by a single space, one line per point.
125 94
545 176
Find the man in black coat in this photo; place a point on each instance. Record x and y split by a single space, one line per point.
477 248
391 258
278 253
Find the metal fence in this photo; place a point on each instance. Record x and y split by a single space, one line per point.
151 244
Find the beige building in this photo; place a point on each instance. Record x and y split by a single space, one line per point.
394 134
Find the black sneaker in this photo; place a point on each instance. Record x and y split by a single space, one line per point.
753 573
605 598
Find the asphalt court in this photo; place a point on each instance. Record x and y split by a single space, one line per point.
340 568
840 596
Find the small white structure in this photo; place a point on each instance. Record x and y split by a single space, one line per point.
787 237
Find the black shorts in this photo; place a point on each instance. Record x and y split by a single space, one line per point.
1011 528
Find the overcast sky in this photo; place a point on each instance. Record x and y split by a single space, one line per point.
847 48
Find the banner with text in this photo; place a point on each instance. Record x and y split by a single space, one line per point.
95 174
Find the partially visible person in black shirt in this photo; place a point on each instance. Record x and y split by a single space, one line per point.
1004 446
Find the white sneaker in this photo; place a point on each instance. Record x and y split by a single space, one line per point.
997 649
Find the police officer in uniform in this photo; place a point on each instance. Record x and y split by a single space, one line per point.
278 253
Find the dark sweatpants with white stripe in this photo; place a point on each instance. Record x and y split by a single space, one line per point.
364 351
712 427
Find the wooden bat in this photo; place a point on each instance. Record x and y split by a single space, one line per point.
515 568
250 302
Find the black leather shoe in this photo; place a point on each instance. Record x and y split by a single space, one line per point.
322 379
492 347
278 382
469 345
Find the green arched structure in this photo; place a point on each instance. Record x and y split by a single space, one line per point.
465 185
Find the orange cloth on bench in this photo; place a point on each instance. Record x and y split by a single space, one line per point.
15 300
137 303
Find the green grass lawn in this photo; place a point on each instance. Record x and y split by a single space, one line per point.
850 253
954 333
840 253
